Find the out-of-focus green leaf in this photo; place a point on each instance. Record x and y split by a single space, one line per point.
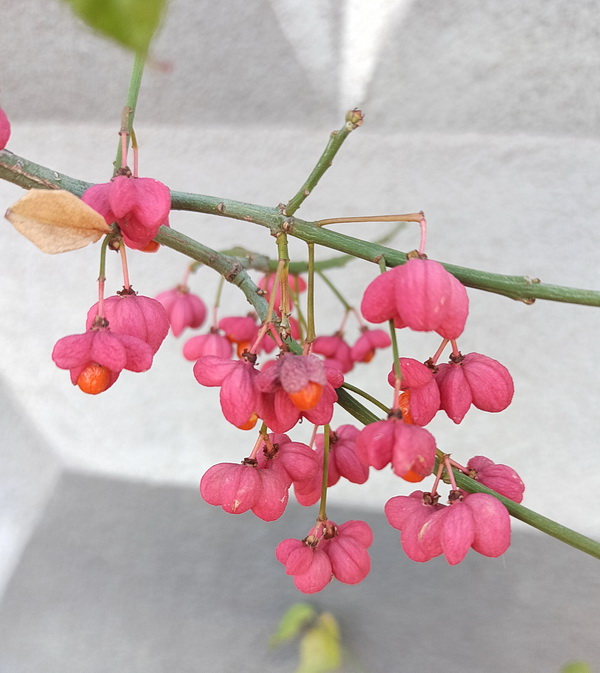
132 23
298 616
576 667
320 650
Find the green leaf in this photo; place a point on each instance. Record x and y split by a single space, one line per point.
576 667
295 618
132 23
320 650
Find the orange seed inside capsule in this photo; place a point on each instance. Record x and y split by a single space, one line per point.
369 355
242 346
94 379
308 397
412 476
250 423
153 246
404 404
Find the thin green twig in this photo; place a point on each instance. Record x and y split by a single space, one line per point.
334 289
30 175
336 138
528 516
325 477
362 393
135 83
542 523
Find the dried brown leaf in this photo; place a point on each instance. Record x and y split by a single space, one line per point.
56 220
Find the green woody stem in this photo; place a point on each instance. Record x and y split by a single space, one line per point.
324 480
353 121
132 96
528 516
532 518
29 175
226 266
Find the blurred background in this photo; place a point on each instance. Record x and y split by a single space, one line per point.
483 114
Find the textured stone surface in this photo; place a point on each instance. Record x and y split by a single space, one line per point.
480 113
146 578
27 478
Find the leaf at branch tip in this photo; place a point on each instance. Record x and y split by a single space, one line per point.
132 23
576 667
56 220
320 650
292 622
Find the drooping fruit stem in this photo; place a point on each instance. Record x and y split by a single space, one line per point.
217 302
395 352
323 503
102 276
423 225
409 217
310 297
335 291
283 256
123 253
439 351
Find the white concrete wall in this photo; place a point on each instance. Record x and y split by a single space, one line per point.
483 114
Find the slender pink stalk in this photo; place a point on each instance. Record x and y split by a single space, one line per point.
123 150
397 387
450 473
317 531
263 330
438 476
186 276
344 321
361 322
123 254
455 350
275 334
313 436
260 336
458 466
101 282
135 160
262 439
423 225
439 351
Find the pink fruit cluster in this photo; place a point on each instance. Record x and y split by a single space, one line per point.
138 205
500 478
470 520
285 390
184 309
472 379
126 336
260 483
429 529
421 295
343 461
342 356
328 551
125 331
409 448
